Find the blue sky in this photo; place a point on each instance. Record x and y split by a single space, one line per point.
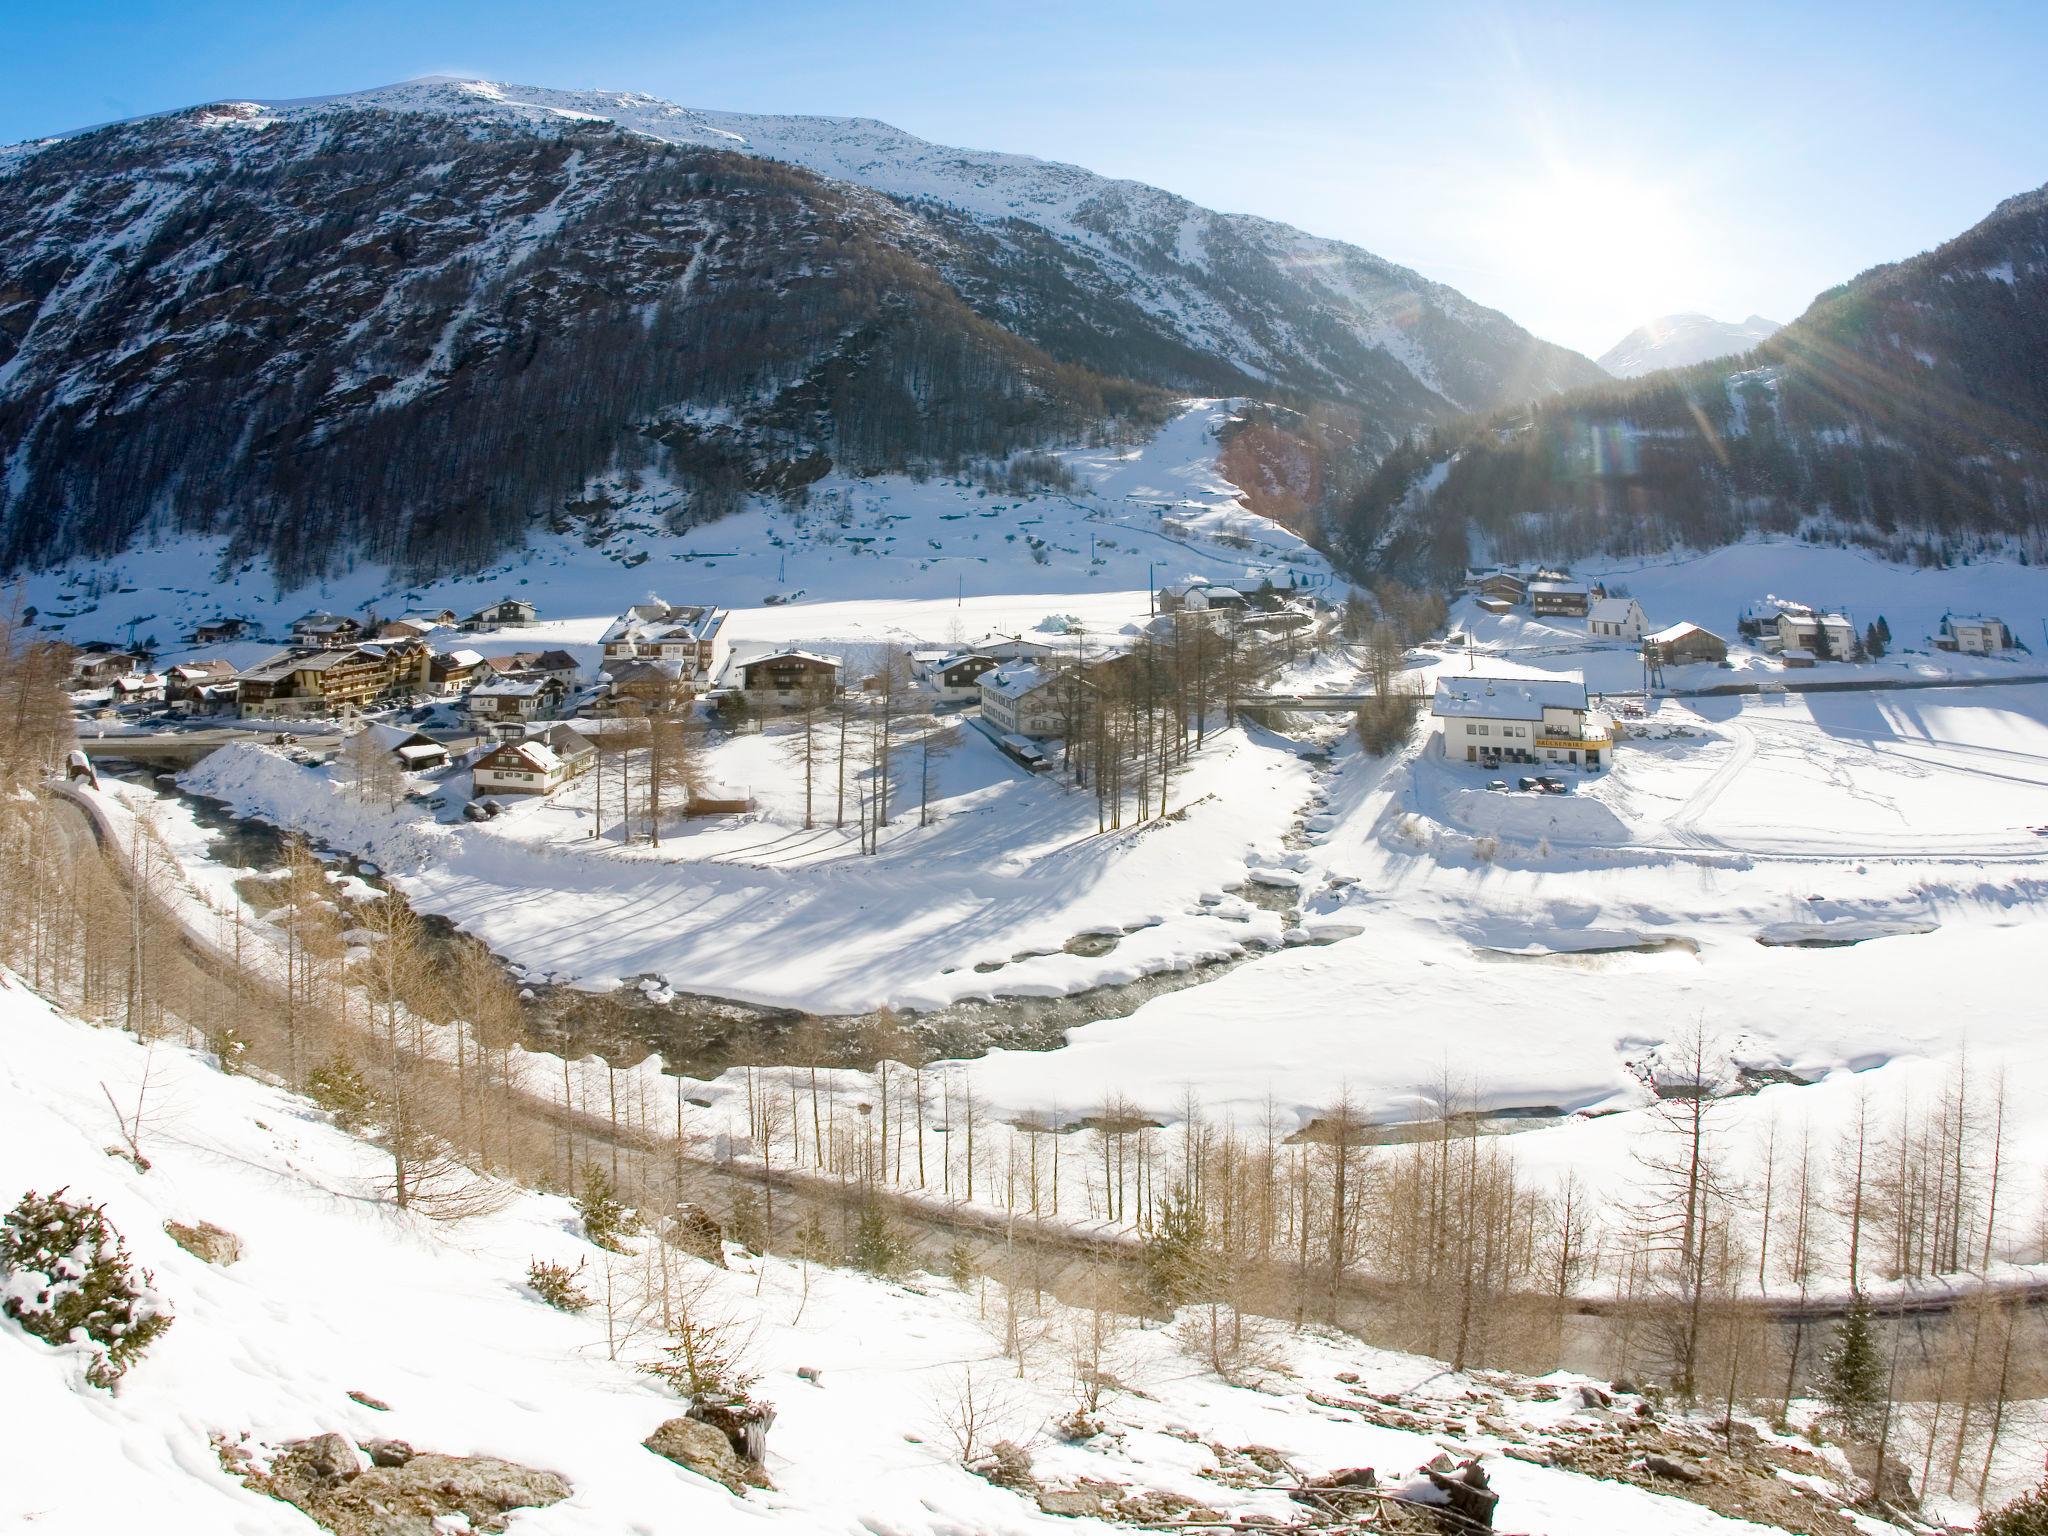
1582 167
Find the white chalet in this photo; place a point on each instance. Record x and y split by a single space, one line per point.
1617 618
1536 718
691 636
1023 698
1972 634
529 767
1802 637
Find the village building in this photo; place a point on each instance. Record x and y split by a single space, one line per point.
1617 618
220 631
1535 719
523 767
1012 648
647 686
576 752
713 798
691 636
139 688
409 627
1972 634
505 613
328 630
200 687
314 680
1759 620
1509 587
1803 638
98 669
785 679
1685 644
1213 597
413 751
959 676
557 664
1027 699
453 673
506 704
1570 599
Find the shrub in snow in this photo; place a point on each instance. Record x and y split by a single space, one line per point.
66 1277
960 1264
1853 1377
877 1246
2026 1515
607 1220
556 1285
746 1225
337 1087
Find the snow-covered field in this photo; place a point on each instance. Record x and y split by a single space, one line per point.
758 907
340 1293
1712 589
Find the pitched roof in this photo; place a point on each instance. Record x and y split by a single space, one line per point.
1677 632
821 657
1559 588
1016 679
1612 609
1522 697
565 741
538 756
508 688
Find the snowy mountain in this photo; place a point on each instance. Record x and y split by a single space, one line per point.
1905 411
1678 341
409 322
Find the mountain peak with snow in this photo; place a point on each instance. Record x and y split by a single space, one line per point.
1678 341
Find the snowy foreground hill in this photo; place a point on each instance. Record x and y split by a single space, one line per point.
345 1316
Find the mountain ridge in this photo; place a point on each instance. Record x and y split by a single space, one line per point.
1680 340
1906 411
323 269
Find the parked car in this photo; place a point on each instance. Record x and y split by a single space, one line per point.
1497 784
1526 784
1552 786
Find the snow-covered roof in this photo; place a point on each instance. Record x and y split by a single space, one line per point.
463 658
821 657
1613 609
1559 588
1016 679
1524 697
1972 620
508 688
536 755
654 621
565 741
396 737
276 668
1677 632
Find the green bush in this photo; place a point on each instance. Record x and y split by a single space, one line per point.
607 1220
66 1277
337 1087
2026 1515
877 1246
556 1285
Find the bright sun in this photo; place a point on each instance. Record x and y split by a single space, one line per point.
1611 249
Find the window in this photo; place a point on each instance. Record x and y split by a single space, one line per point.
1480 729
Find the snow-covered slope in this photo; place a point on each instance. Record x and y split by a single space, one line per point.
340 1297
1677 341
